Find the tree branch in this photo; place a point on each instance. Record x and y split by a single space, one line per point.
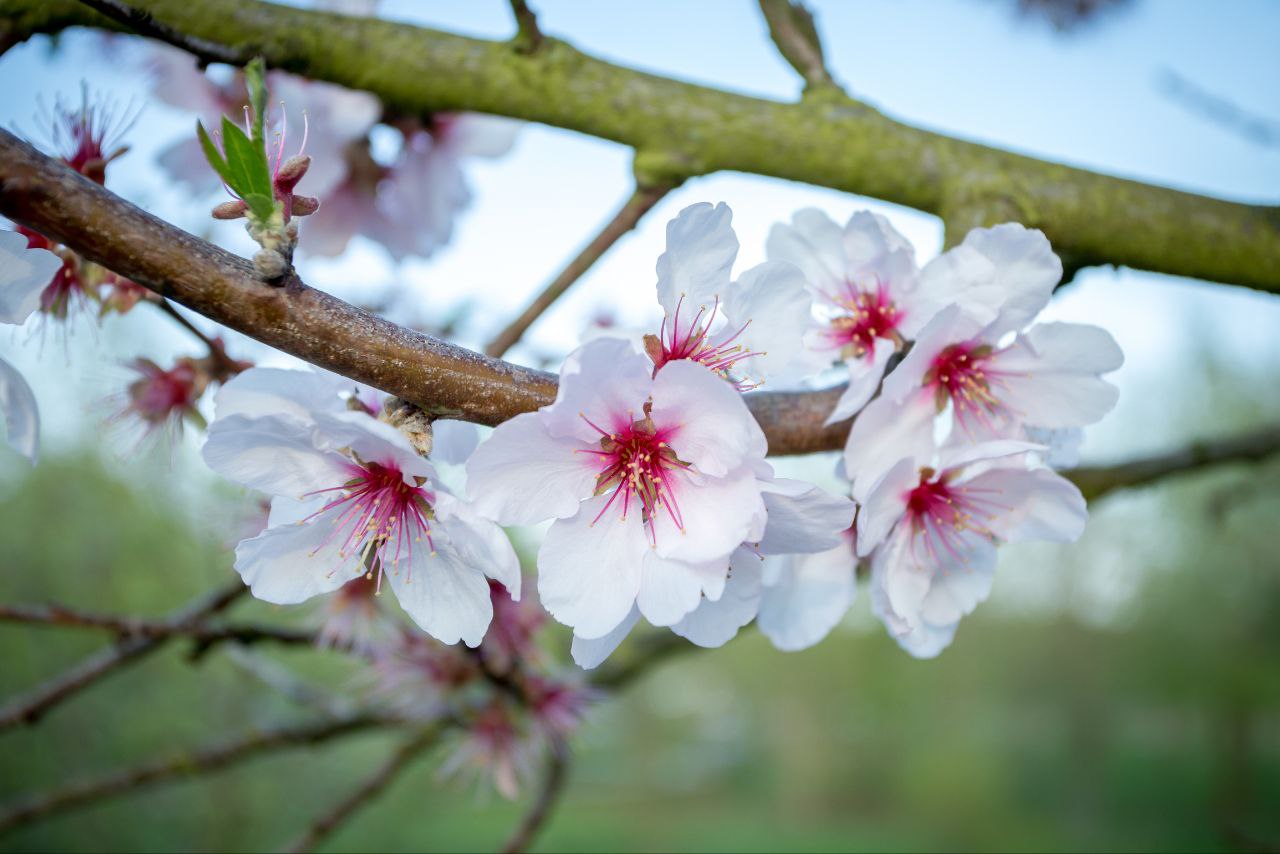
640 203
845 145
553 782
144 23
199 761
1097 481
34 705
528 37
792 28
204 634
367 791
438 377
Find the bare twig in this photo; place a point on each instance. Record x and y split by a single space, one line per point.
1098 481
792 28
528 37
205 634
33 706
441 378
189 764
644 653
144 23
639 203
367 791
553 782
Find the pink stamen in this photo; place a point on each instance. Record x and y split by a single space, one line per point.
637 464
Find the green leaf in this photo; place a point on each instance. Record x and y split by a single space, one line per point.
261 207
255 78
246 162
212 154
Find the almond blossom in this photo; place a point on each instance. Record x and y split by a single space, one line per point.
24 275
874 299
745 330
352 497
932 531
649 478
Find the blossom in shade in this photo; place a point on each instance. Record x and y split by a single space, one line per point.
511 636
352 497
24 274
354 618
495 746
420 677
874 298
87 136
650 480
745 330
932 531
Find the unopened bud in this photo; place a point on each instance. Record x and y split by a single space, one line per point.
291 172
305 205
233 209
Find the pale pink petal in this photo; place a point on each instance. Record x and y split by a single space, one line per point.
604 382
864 379
261 392
479 543
669 589
453 441
21 416
1049 376
480 135
446 596
802 518
719 514
701 247
273 455
24 274
886 432
291 563
885 504
814 243
708 423
1043 505
715 623
590 653
812 594
589 572
869 237
771 307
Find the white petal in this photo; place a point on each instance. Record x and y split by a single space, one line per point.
1063 445
957 591
869 237
669 589
1043 505
864 378
715 623
520 475
1006 272
719 514
21 416
273 455
288 511
445 596
803 518
589 653
1049 376
480 135
606 381
811 596
453 441
927 641
705 420
24 274
948 327
886 432
589 574
372 441
885 504
701 247
291 563
814 243
772 300
278 391
480 544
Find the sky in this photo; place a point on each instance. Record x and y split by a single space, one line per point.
971 68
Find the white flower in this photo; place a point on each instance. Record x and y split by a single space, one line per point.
410 205
24 274
747 330
650 478
351 498
875 299
790 578
1049 376
932 534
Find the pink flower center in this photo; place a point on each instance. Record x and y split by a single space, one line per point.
962 374
692 342
82 135
871 314
157 395
638 465
943 515
383 518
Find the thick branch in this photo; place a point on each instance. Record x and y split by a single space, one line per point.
200 761
1096 482
837 143
363 795
30 708
438 377
640 202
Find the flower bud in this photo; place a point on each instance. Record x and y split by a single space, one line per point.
291 172
305 205
233 209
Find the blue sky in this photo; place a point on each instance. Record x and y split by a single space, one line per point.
967 67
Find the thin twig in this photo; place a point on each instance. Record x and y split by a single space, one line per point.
365 793
34 705
1097 481
144 23
189 764
528 37
553 782
203 633
792 28
640 203
644 654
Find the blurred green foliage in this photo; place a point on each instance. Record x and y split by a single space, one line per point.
1158 728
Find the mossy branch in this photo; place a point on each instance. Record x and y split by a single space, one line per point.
839 143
